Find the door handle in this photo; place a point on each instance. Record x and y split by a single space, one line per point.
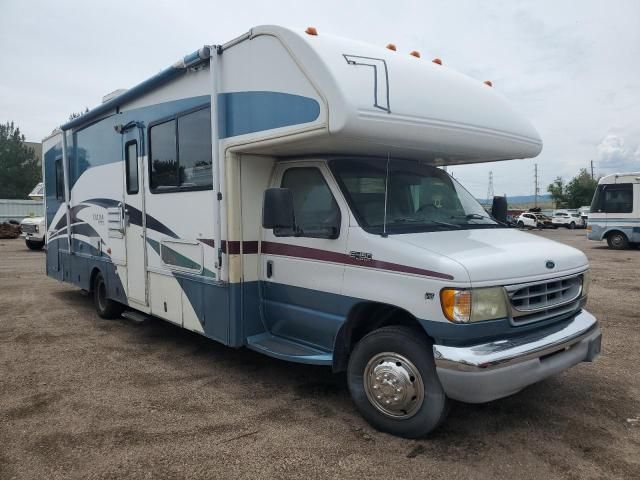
269 268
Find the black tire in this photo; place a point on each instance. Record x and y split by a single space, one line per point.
31 245
415 347
521 225
572 226
617 241
105 307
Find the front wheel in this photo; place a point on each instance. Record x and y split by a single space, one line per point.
617 241
105 307
33 245
393 382
521 225
572 226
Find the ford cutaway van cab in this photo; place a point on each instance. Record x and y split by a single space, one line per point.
283 192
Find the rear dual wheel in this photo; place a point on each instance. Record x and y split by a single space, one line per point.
393 382
105 307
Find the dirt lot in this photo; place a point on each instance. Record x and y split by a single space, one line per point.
82 397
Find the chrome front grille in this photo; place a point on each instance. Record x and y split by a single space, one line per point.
28 228
533 302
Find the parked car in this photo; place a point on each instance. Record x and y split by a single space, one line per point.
33 232
567 219
533 220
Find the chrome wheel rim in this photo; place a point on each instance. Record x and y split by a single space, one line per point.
393 385
616 240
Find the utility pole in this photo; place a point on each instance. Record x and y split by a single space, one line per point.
536 189
592 170
490 189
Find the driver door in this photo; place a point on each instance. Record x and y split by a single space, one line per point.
300 273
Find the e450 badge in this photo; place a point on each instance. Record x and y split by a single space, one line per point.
362 256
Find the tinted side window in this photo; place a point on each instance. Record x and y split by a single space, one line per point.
164 161
194 149
59 180
131 165
316 212
618 198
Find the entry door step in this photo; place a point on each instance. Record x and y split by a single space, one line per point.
289 350
134 316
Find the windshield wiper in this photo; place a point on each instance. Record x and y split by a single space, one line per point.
425 221
473 216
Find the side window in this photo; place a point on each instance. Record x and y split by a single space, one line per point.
180 152
194 149
59 180
618 198
164 158
316 212
131 165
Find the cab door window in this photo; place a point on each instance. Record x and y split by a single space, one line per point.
317 214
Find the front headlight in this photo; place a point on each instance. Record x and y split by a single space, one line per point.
37 228
473 305
586 280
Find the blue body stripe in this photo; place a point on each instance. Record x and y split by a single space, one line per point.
240 113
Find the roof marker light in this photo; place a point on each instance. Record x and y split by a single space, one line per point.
437 61
391 46
415 53
488 82
311 31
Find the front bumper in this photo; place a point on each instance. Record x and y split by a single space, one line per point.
485 372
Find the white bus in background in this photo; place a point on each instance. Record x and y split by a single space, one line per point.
280 192
615 211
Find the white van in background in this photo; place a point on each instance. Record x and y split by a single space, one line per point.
615 211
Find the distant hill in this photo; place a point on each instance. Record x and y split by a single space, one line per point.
521 199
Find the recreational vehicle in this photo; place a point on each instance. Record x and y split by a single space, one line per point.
615 211
281 192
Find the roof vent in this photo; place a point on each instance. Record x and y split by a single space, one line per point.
112 95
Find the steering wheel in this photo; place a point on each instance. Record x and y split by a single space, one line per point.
424 206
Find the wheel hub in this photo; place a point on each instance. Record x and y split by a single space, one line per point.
393 385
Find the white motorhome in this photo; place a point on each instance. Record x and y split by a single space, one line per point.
280 192
615 211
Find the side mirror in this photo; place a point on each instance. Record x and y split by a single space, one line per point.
277 209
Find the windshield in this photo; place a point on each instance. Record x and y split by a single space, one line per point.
420 197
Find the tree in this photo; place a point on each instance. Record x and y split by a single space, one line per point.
19 169
575 194
579 191
557 191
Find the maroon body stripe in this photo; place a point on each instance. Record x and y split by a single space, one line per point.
275 248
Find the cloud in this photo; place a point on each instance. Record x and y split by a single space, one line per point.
613 154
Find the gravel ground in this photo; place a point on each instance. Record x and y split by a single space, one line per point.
82 397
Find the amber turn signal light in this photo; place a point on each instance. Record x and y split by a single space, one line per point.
311 31
391 46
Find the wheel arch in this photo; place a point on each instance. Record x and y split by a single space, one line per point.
92 278
363 318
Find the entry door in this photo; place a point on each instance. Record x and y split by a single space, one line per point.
302 275
134 220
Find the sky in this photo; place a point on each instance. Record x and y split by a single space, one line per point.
572 68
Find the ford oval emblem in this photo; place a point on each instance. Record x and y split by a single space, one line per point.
550 264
